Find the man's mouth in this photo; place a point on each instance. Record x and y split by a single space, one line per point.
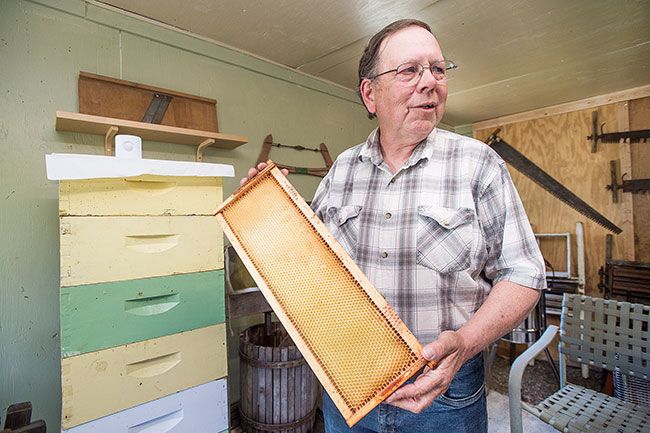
428 106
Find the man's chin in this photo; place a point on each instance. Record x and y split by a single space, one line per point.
424 127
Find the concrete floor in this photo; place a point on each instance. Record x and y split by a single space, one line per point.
499 417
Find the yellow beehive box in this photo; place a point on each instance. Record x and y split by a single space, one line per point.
100 383
140 195
99 250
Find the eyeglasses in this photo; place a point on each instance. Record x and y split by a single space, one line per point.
411 72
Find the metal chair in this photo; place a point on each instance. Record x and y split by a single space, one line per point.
604 333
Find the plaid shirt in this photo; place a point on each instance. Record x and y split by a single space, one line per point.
435 236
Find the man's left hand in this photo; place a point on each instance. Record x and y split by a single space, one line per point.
448 350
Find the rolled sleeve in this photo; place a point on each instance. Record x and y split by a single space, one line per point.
513 252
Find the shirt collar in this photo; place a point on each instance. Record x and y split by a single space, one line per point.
371 151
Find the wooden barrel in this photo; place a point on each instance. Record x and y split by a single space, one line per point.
278 389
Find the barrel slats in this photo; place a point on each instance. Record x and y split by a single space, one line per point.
299 398
261 387
269 389
279 395
291 374
276 387
284 409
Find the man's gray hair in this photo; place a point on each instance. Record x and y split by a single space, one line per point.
368 60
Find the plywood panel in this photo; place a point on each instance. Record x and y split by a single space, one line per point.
100 383
137 310
203 408
640 119
141 195
103 249
558 144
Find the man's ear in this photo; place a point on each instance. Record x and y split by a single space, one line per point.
367 92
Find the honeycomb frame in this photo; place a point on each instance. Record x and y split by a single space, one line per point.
365 324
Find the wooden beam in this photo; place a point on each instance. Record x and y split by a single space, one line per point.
610 98
626 202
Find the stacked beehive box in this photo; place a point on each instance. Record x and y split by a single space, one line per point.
143 340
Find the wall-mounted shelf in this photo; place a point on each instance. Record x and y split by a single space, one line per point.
108 127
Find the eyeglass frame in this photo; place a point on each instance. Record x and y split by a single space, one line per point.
451 66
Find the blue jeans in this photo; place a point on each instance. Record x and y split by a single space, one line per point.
461 409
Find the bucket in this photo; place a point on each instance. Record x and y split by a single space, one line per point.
278 389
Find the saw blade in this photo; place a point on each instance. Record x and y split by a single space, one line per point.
636 186
528 168
631 136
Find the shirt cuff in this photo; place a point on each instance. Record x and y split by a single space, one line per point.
534 281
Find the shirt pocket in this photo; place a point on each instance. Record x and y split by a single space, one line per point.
445 238
343 221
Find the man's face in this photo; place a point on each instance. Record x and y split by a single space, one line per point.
407 112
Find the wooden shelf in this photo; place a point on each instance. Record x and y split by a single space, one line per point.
108 127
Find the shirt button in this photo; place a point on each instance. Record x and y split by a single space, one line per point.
388 215
384 254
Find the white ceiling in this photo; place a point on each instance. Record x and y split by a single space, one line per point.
513 55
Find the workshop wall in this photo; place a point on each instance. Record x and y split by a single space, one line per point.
558 144
640 119
43 46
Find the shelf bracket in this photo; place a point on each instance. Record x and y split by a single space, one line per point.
199 150
109 144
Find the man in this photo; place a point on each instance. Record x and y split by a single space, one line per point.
433 219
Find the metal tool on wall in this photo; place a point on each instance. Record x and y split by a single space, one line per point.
320 172
157 108
613 137
630 185
528 168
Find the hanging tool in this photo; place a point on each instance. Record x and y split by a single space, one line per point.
613 137
632 185
157 108
515 158
320 172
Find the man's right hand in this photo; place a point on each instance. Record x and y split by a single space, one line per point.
253 171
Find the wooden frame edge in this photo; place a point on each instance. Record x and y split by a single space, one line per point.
284 319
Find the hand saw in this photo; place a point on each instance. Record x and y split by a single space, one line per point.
320 172
613 137
515 158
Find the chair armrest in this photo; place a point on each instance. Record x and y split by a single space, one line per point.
517 372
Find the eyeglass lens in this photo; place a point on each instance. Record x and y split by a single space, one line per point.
410 71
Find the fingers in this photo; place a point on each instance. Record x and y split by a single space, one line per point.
417 396
448 351
447 343
254 171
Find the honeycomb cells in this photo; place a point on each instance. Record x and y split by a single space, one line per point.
354 344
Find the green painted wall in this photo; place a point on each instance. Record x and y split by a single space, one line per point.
43 46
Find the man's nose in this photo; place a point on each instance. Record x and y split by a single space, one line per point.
427 80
